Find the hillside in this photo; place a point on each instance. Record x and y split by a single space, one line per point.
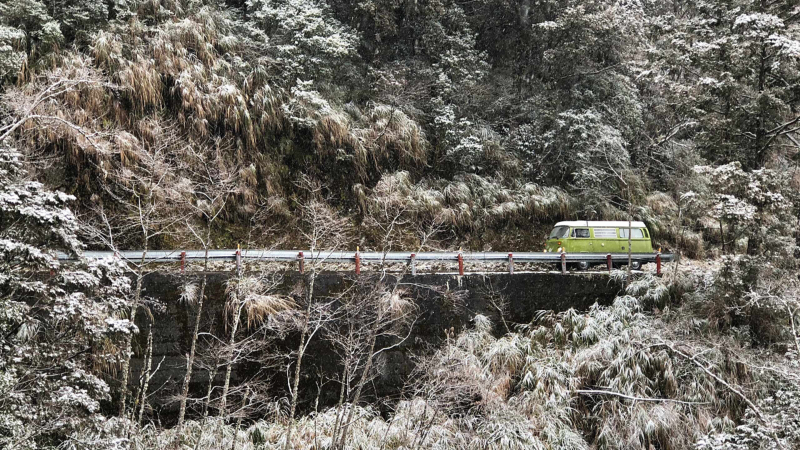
402 125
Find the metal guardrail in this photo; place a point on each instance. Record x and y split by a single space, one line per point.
357 257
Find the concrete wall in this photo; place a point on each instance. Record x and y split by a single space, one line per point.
526 293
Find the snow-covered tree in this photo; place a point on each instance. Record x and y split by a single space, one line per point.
60 325
12 58
754 204
33 31
730 67
307 40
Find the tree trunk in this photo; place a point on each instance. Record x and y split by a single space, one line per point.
680 244
226 385
239 421
760 154
342 391
300 351
126 357
630 218
364 376
146 373
212 373
190 363
126 360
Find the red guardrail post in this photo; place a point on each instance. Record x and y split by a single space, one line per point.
608 261
183 262
460 263
511 264
238 261
413 264
563 263
658 264
301 262
358 262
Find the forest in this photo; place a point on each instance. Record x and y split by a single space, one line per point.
389 125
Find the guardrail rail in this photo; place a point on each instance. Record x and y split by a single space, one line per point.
358 258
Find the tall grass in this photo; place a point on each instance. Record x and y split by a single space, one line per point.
605 378
469 202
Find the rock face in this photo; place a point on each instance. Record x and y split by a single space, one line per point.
446 303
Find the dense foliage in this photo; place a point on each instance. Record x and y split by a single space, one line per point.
59 330
496 114
413 124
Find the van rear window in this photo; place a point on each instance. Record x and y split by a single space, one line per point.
636 233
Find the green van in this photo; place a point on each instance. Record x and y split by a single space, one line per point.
599 237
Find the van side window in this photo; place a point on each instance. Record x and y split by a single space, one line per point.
636 233
580 233
605 233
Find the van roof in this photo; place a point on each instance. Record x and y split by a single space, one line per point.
607 223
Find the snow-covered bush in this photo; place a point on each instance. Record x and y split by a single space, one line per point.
780 427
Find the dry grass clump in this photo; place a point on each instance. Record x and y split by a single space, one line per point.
660 212
209 72
66 110
647 288
504 355
382 136
141 81
619 351
331 131
469 202
254 296
386 133
395 305
198 58
218 76
143 77
106 50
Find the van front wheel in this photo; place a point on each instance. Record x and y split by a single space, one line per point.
636 265
583 265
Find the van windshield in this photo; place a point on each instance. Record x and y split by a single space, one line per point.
559 232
